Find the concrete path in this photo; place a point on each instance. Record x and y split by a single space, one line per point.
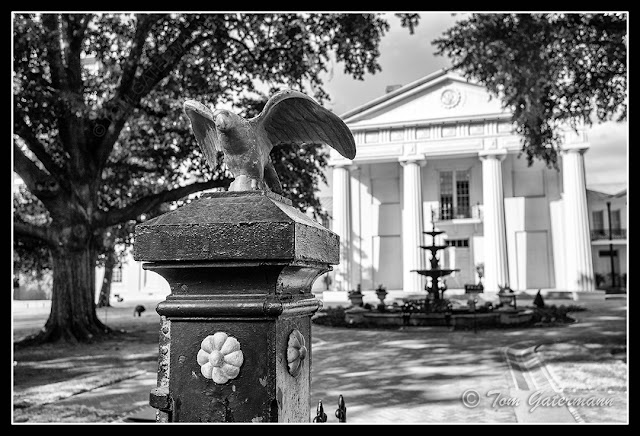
532 383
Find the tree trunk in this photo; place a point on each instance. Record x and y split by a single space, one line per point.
73 315
105 290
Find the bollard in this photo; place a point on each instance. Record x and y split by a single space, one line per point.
235 334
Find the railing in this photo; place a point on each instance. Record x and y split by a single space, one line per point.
446 212
599 234
341 411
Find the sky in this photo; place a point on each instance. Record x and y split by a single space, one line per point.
405 58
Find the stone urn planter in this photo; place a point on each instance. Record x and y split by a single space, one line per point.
507 298
381 292
356 297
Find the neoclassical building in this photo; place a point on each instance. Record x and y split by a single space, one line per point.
608 214
441 152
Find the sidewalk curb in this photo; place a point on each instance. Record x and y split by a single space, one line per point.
529 360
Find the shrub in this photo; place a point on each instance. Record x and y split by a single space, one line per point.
555 314
331 316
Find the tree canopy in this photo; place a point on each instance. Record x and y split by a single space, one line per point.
548 69
100 138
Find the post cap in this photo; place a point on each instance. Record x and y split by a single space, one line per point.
236 226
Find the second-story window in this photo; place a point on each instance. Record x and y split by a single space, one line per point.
598 220
454 195
616 225
117 274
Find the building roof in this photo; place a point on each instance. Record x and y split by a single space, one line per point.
395 93
620 194
604 196
421 101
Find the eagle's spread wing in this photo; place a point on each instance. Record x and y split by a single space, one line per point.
204 130
293 117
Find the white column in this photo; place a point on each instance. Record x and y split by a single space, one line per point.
342 226
578 259
496 272
355 266
412 237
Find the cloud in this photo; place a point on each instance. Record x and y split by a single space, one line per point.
606 162
404 58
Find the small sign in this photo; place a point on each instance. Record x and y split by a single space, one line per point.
473 289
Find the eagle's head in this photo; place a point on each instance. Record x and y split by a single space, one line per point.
226 121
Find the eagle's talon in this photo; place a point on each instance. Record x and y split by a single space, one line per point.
245 183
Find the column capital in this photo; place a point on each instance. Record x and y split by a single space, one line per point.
419 160
575 148
346 164
499 154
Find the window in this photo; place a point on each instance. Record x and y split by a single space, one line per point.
446 195
462 194
598 220
457 242
615 220
117 274
454 195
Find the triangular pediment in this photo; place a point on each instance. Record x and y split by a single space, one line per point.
439 96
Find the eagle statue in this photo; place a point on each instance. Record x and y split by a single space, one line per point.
288 117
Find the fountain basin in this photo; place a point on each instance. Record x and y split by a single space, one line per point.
441 272
434 232
456 321
434 247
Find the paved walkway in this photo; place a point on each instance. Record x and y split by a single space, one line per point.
420 374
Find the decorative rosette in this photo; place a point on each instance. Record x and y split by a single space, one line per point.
296 352
220 357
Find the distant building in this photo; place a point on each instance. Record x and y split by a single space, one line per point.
606 234
441 152
131 281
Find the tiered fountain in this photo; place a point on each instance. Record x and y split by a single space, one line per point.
434 310
435 285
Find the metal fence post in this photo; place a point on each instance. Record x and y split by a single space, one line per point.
235 339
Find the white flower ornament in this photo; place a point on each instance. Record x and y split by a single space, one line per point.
296 352
220 357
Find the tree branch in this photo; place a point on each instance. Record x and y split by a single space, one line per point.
54 53
66 76
28 170
21 129
160 66
115 216
245 46
145 22
29 231
163 63
76 27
